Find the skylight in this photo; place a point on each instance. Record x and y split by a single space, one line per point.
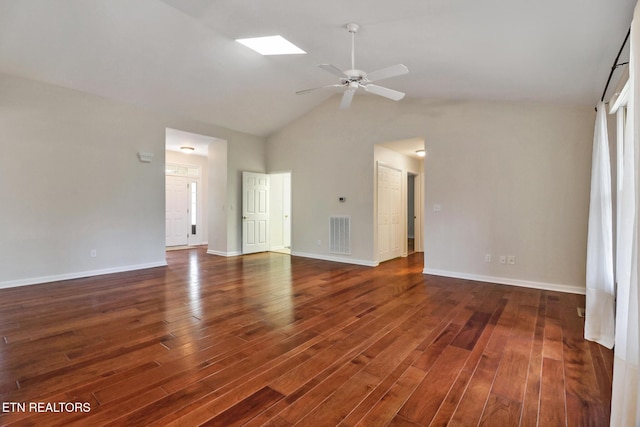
271 45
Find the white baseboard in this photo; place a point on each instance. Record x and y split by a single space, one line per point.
225 254
336 259
507 281
78 275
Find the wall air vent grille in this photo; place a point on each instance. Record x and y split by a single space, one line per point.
340 240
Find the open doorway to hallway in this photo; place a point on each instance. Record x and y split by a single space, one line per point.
186 172
266 212
398 198
280 212
412 217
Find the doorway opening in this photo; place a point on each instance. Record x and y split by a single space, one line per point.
184 208
411 212
280 212
266 212
398 193
186 172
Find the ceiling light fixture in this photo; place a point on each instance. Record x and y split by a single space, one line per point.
187 150
420 153
271 45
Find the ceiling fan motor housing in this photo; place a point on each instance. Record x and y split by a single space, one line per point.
355 75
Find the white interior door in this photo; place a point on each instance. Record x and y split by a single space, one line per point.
418 210
286 202
177 211
255 212
391 234
279 211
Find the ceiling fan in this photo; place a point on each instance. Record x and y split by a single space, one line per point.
353 79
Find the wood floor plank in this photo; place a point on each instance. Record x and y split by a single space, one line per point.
424 403
531 405
388 406
584 399
246 409
552 347
394 350
511 377
552 394
471 406
450 405
501 411
223 398
278 340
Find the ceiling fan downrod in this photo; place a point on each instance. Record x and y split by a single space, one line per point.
353 29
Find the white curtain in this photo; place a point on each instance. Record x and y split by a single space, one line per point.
625 405
599 321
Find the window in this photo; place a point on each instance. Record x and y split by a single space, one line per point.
194 206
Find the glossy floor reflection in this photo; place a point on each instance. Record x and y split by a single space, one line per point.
271 339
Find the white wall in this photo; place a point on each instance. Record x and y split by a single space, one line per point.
328 159
512 179
218 184
70 182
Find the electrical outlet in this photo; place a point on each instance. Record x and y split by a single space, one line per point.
437 207
319 242
94 253
487 257
511 260
503 259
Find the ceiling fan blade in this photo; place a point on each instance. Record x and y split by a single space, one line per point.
346 99
299 92
333 70
385 73
383 91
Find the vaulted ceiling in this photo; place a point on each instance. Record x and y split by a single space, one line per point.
180 55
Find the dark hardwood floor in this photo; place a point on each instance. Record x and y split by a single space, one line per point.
269 339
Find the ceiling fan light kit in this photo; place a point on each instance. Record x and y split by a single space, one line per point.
353 79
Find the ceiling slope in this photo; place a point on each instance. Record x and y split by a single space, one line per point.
180 55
